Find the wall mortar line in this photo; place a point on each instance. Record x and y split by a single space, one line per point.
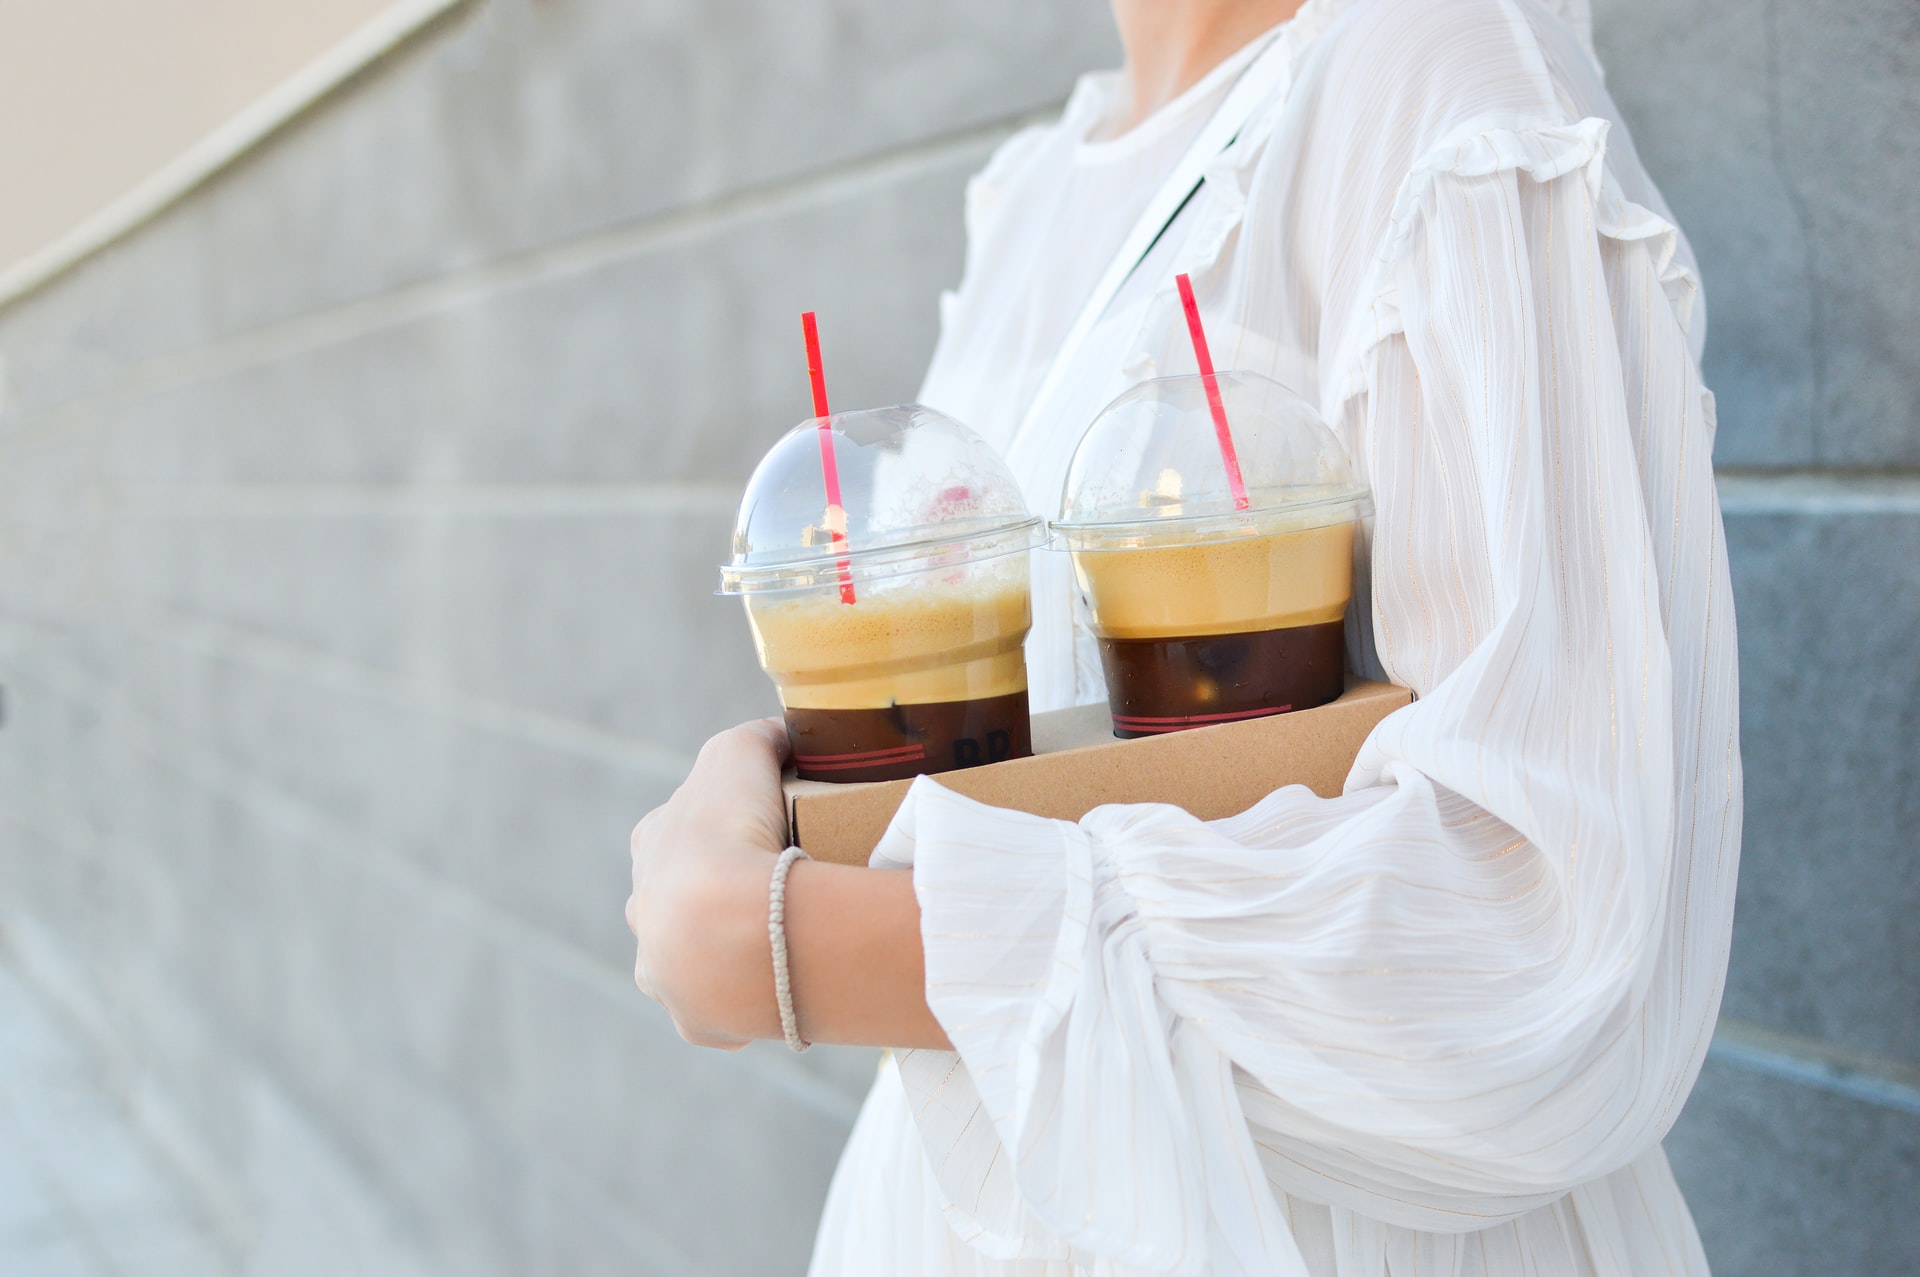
223 640
1818 492
1858 1075
228 144
223 1199
419 500
540 947
344 321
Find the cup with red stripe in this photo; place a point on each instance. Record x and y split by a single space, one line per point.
892 622
1217 576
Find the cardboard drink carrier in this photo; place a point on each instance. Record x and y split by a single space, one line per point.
1078 764
1199 510
881 556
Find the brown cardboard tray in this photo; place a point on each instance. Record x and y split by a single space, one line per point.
1078 765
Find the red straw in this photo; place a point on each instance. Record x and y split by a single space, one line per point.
1227 455
829 470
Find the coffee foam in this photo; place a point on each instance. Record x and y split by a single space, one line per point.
1301 577
910 644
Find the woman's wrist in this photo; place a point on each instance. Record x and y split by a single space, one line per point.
731 992
853 951
853 943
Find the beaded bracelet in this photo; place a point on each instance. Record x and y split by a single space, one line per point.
777 933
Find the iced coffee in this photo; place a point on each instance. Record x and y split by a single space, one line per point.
1211 606
1198 634
897 649
923 677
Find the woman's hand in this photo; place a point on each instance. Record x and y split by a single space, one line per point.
701 864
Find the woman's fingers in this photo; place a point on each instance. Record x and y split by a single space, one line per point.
774 732
694 1036
750 751
638 847
735 783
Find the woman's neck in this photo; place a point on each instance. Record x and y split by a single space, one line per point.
1172 44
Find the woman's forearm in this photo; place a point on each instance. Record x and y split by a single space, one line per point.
853 946
853 949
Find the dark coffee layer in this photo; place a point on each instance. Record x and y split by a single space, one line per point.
908 740
1168 685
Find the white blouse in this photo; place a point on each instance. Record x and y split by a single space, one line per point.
1440 1024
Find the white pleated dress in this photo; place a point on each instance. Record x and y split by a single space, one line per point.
1440 1024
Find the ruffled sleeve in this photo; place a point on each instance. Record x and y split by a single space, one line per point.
1486 975
1539 156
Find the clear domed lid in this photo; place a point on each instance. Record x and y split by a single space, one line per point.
1150 469
919 491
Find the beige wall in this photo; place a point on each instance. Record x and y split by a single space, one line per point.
101 97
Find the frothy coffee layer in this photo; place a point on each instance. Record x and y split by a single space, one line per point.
1302 577
909 645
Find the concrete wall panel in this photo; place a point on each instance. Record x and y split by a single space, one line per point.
1827 926
1780 135
652 361
516 126
1785 1181
477 606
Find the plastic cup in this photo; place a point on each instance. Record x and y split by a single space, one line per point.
925 671
1206 612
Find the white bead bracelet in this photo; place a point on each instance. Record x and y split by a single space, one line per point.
777 933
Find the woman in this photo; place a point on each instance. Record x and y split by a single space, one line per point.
1436 1025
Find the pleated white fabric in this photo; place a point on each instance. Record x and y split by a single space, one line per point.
1441 1023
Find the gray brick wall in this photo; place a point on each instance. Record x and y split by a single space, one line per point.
357 518
1783 136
